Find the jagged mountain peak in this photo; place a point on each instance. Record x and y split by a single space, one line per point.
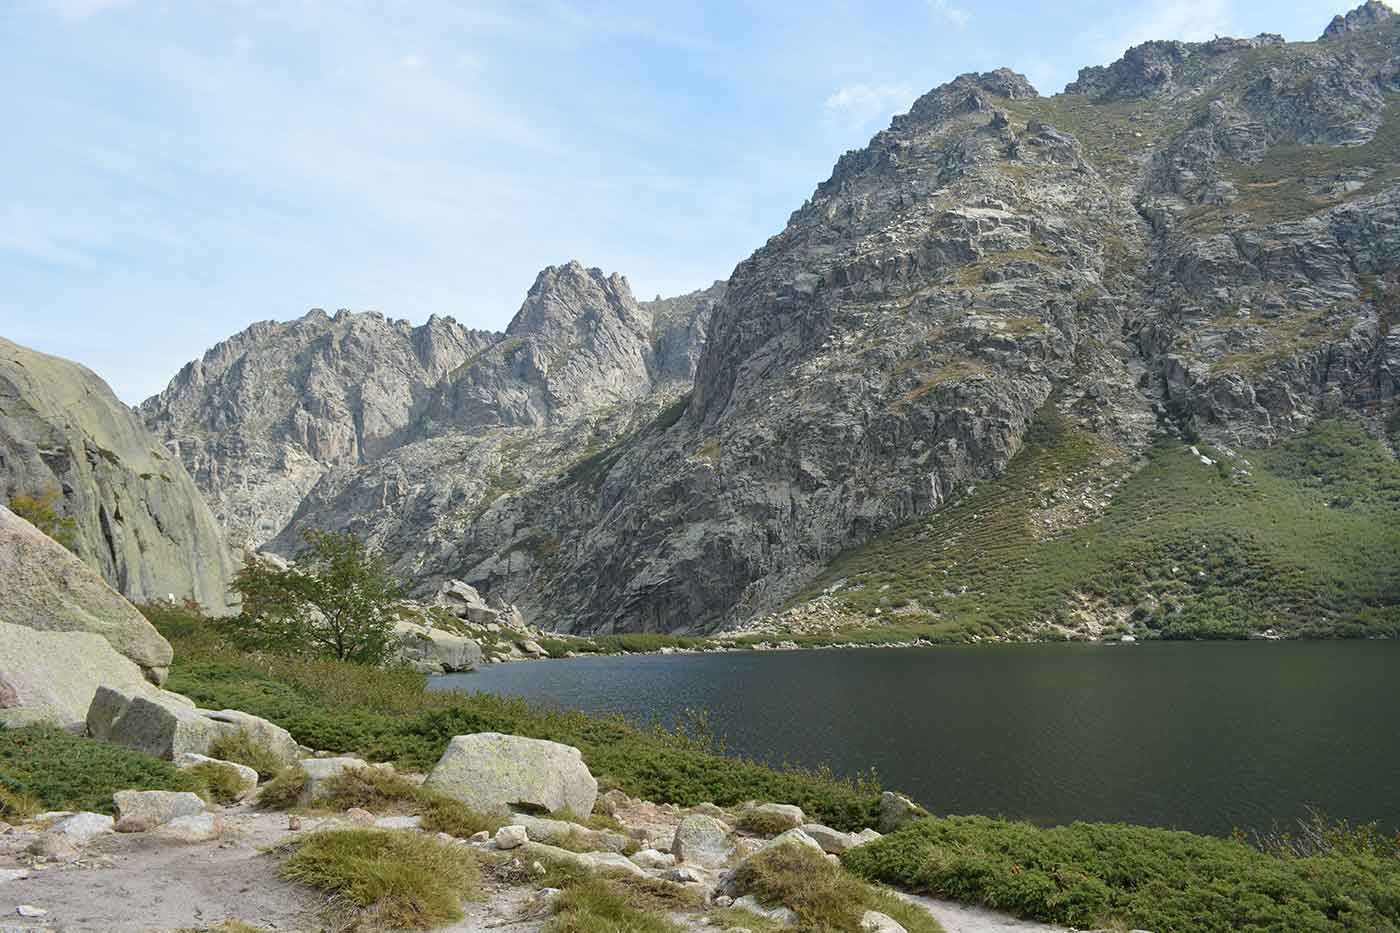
563 296
967 93
1368 14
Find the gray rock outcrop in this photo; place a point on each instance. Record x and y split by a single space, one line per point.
141 810
139 519
491 772
49 589
52 677
168 725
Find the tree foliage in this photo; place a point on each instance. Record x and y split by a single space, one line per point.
42 512
334 601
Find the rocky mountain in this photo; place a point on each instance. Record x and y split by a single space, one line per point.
139 519
1197 242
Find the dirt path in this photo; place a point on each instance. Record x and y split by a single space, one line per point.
960 918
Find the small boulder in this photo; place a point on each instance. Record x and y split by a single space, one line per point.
872 921
604 861
701 839
555 832
489 771
896 810
168 725
651 858
398 822
779 914
831 840
198 827
142 810
613 801
359 817
792 837
792 814
511 837
53 847
83 827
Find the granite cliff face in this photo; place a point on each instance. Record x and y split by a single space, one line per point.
264 414
1199 239
140 521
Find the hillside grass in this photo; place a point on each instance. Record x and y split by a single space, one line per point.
1093 875
1303 539
46 768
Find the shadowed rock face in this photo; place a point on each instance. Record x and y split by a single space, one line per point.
1197 235
140 521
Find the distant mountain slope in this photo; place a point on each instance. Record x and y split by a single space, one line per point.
1198 240
140 520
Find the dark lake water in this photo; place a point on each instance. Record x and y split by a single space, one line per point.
1203 737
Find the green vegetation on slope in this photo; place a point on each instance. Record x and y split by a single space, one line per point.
1303 538
1096 874
63 771
388 715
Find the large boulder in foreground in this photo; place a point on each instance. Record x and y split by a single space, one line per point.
48 589
168 725
491 772
53 677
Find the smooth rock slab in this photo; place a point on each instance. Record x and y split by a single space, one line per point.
142 810
490 772
831 840
650 858
199 827
82 827
553 832
792 837
701 839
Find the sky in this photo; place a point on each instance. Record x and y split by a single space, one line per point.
174 171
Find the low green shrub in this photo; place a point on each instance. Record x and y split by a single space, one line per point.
244 748
763 823
284 790
824 898
67 772
400 879
1095 874
16 806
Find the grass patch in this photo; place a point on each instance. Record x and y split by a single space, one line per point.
1304 539
67 772
825 898
284 790
381 791
763 823
243 748
595 905
16 806
400 879
1095 874
222 784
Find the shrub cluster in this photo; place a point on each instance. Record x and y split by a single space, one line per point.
1095 874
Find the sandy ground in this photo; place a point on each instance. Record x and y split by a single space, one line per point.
141 883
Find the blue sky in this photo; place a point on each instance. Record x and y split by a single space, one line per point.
176 170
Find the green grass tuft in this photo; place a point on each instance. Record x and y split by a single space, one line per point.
400 879
244 748
221 784
825 898
762 823
284 790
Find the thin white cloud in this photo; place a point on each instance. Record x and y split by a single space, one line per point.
1170 19
82 9
864 102
953 14
413 62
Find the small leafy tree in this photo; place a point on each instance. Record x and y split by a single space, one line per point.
41 511
334 601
